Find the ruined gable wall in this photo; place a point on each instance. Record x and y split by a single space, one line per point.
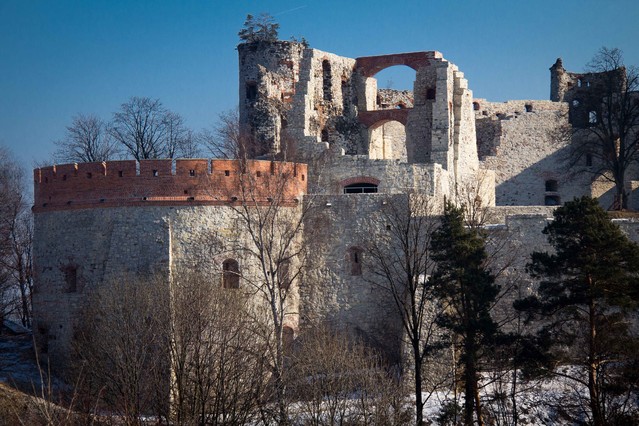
323 111
521 141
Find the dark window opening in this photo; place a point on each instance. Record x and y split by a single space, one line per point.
191 172
327 81
71 278
230 274
552 185
552 200
588 160
44 341
528 107
355 260
283 275
324 135
120 173
476 106
360 188
64 177
227 173
258 173
430 93
303 177
89 175
155 173
345 95
251 91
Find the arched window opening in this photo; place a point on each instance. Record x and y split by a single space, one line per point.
354 258
476 106
360 188
394 87
552 185
327 81
387 141
230 274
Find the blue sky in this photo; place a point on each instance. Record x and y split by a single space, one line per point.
63 57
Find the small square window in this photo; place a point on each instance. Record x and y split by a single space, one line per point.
191 172
227 173
155 173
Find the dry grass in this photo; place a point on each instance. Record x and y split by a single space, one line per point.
18 408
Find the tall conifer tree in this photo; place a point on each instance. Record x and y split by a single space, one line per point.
588 287
467 289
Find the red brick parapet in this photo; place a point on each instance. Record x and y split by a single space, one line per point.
168 183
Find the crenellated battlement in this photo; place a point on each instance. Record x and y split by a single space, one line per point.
166 182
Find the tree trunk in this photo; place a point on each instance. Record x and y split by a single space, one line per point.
593 389
419 403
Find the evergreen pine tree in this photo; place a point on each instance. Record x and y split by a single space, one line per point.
588 287
467 289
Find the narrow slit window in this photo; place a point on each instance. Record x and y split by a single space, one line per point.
355 260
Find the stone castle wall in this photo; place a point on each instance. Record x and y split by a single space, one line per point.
525 143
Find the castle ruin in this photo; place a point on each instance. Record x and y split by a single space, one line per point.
349 148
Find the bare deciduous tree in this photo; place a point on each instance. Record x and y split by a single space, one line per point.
228 140
608 142
16 281
401 264
122 347
146 129
217 364
340 381
273 247
87 139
